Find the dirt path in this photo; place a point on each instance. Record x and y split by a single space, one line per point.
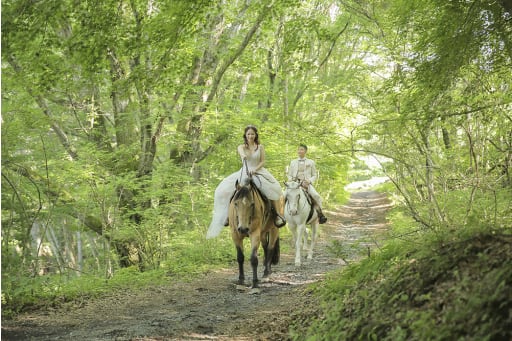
212 307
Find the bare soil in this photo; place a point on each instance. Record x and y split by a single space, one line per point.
212 306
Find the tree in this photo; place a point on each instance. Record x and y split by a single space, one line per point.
435 116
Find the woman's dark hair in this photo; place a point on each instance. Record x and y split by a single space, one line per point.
256 139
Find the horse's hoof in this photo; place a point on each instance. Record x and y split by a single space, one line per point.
240 287
297 264
279 222
265 279
255 291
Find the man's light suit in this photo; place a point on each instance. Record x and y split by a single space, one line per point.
305 169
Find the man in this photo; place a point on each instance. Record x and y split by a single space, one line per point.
304 171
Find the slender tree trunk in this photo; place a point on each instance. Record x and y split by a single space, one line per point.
429 175
125 126
68 247
446 138
94 250
54 245
79 255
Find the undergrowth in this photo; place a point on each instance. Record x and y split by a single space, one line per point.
449 285
190 255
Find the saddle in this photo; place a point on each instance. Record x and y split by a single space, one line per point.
308 196
310 202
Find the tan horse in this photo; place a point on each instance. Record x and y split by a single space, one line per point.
250 215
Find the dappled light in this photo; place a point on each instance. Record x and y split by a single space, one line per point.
120 119
214 305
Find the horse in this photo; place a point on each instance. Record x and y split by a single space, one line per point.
299 212
250 215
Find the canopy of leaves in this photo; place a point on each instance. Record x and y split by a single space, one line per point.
119 118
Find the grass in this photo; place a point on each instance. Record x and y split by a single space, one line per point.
28 293
189 255
432 285
187 258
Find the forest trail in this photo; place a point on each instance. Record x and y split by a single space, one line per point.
211 306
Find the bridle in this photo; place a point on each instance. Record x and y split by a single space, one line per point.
254 193
298 200
248 194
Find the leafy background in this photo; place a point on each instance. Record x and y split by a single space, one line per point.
120 118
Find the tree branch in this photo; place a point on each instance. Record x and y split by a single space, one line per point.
230 60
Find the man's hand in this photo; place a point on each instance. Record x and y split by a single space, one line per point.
305 184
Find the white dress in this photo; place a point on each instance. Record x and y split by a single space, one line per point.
265 181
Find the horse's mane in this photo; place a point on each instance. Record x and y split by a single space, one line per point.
242 192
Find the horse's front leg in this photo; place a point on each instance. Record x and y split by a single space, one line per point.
254 265
255 244
240 259
293 229
305 238
314 232
298 243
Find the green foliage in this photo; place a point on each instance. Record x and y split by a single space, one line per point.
118 121
360 171
187 256
25 293
423 286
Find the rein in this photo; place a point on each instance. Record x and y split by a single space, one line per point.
246 191
254 175
298 201
244 164
254 194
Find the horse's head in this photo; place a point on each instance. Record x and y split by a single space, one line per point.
292 185
292 196
244 207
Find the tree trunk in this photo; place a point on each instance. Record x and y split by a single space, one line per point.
429 174
207 74
79 255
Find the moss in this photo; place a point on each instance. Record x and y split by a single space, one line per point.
451 286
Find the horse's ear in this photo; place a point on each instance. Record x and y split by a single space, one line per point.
238 185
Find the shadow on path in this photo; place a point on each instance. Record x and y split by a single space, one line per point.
212 307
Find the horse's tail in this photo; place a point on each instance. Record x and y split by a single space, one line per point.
277 253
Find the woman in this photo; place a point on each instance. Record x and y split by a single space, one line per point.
253 154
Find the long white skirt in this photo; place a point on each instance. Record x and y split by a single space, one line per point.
265 181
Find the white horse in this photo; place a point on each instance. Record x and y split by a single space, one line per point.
299 212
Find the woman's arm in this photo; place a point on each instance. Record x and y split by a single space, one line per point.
241 152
